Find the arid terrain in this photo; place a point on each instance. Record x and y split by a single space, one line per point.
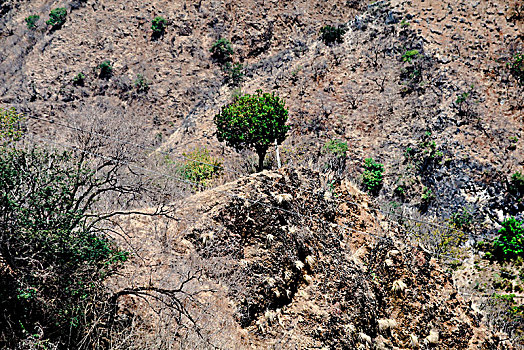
304 256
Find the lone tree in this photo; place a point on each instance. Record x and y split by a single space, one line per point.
253 121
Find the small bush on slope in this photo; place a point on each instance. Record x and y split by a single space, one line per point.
57 17
510 242
372 177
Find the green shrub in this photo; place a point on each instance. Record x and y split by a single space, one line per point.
330 34
79 79
253 121
57 17
106 69
427 195
510 242
56 254
234 74
517 182
200 167
30 21
410 55
336 147
10 126
462 219
159 25
222 50
141 83
373 175
516 67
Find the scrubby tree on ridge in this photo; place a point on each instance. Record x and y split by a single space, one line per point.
253 121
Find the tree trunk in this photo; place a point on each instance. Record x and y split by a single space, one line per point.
278 154
261 155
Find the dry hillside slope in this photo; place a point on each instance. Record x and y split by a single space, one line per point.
322 277
299 257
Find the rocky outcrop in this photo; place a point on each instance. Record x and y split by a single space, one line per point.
299 268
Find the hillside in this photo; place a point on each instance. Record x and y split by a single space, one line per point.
359 91
424 87
320 278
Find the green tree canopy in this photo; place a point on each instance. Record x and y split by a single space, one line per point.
253 121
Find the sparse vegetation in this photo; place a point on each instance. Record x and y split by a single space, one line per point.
236 93
57 17
462 98
440 240
517 182
222 51
427 195
253 121
336 155
256 251
234 74
415 72
517 11
400 191
79 79
373 175
465 103
106 69
10 126
54 252
30 21
295 72
516 67
510 242
462 219
200 167
331 34
504 312
425 156
336 147
410 55
141 83
159 25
